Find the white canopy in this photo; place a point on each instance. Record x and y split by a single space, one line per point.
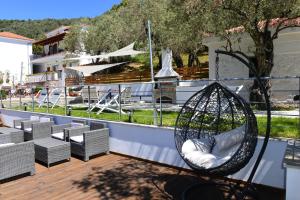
89 70
126 51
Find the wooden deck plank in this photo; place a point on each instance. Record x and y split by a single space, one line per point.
105 177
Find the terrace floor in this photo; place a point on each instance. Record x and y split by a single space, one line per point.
106 177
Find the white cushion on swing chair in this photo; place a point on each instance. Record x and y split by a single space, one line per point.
225 141
202 144
201 159
210 160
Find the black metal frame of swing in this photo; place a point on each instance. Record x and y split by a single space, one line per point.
232 165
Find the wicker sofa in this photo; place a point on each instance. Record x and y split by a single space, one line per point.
86 142
15 159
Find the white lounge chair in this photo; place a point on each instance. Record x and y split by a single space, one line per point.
236 89
102 99
55 96
42 97
113 104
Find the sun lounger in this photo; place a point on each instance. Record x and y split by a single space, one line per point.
42 97
55 96
113 104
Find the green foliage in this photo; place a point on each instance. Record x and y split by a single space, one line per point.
3 94
72 42
36 29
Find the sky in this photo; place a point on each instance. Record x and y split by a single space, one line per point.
40 9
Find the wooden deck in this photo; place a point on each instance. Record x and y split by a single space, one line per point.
105 177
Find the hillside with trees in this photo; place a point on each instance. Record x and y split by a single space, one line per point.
36 29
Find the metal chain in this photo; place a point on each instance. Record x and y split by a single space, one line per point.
217 67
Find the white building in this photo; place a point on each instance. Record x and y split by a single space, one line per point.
15 52
286 61
49 68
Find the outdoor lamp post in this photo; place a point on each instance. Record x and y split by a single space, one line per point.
151 68
25 106
69 110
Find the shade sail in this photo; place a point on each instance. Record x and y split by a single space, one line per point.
126 51
89 70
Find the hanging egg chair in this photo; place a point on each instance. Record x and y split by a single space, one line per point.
216 130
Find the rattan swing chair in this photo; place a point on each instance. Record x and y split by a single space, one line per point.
216 134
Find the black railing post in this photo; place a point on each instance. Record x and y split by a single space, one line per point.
47 89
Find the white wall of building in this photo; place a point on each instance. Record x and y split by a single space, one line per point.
12 54
286 61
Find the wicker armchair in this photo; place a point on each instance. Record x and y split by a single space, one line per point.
97 125
57 131
26 124
16 159
80 121
33 118
37 130
17 122
87 143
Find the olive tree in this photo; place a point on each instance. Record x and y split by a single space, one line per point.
261 19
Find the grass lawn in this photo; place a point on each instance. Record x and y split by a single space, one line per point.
281 126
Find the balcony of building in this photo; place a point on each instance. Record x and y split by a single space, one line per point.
42 77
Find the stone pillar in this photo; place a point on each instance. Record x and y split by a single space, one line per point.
292 167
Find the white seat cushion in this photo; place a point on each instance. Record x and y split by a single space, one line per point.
74 124
18 127
28 129
6 144
201 159
229 139
224 155
207 160
45 119
34 118
59 135
78 139
202 144
226 152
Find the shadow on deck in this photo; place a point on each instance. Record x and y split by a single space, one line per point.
108 177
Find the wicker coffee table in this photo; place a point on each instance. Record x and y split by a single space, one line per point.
49 150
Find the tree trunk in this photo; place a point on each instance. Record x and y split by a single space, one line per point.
190 60
264 56
159 66
178 60
193 60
